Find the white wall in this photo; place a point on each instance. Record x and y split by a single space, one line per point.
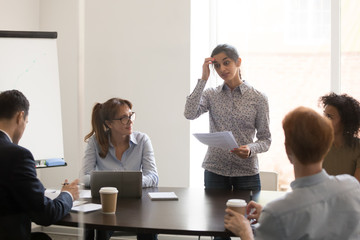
19 15
63 17
138 50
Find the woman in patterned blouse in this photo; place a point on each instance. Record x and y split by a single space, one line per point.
233 106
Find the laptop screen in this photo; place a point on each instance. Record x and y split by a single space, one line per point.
128 183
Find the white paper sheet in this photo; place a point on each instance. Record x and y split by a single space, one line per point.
88 207
85 193
162 196
224 140
53 193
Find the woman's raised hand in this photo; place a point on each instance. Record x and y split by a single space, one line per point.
206 68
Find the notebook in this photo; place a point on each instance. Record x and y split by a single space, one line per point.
128 183
162 196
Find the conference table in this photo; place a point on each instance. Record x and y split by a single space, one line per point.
196 212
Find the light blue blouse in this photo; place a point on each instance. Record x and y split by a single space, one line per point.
139 156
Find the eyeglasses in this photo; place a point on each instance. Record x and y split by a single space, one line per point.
126 120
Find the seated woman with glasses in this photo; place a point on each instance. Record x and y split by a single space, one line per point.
112 145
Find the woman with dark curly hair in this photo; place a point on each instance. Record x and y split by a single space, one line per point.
344 114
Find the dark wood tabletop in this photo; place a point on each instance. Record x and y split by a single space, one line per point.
196 212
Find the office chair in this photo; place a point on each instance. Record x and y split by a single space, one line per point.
269 180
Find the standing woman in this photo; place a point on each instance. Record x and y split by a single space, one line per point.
344 114
112 145
237 107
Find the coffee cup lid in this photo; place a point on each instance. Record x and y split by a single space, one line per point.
236 203
108 190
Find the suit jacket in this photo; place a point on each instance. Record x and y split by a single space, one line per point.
22 199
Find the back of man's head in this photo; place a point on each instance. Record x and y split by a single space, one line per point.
11 102
307 134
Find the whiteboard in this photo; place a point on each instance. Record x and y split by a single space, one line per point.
30 65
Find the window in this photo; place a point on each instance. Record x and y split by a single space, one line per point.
350 48
307 21
285 48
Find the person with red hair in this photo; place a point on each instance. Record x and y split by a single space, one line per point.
320 206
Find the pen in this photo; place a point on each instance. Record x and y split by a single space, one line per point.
79 185
252 221
251 195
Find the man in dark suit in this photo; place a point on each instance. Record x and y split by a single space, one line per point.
22 199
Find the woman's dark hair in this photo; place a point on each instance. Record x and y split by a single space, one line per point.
101 113
229 50
349 111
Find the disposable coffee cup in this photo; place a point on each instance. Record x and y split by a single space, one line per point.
238 205
108 196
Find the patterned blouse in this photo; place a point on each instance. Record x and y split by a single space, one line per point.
243 111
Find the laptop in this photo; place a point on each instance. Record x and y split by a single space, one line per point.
128 183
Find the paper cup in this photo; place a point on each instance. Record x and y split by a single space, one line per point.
238 205
108 196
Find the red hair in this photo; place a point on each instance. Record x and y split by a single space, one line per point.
308 134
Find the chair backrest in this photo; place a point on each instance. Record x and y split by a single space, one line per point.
269 180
